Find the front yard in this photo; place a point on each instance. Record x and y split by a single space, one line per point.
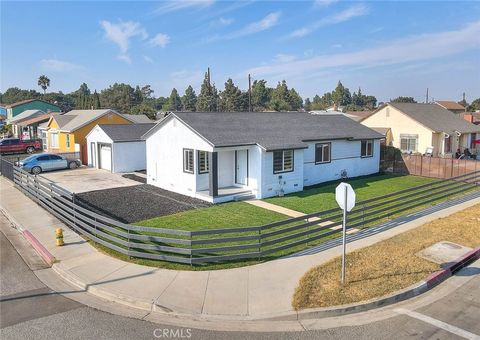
322 196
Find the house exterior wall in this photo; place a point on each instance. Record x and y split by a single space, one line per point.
62 139
79 136
129 156
345 155
272 184
400 123
33 105
165 157
97 135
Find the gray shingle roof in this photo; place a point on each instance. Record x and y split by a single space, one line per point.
436 118
27 114
140 118
126 132
272 130
78 118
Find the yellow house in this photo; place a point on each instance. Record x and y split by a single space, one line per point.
67 132
420 128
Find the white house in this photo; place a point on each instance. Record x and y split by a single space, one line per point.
117 147
222 156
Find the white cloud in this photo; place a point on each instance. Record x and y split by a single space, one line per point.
148 59
323 3
255 27
415 48
178 5
345 15
160 40
221 22
121 33
55 65
284 58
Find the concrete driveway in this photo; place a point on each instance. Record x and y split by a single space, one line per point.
87 179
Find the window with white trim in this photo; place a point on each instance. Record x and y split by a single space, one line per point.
367 148
203 165
67 140
408 143
322 153
188 162
282 161
54 139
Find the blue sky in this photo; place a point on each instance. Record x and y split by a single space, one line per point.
387 48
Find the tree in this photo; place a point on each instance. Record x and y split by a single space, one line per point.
403 100
174 102
120 97
207 100
308 105
189 99
341 95
96 100
44 83
474 106
144 109
146 92
281 97
294 99
14 94
65 101
261 95
232 99
82 97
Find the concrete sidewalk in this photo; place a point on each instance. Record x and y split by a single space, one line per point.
255 292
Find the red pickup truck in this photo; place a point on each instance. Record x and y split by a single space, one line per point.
15 145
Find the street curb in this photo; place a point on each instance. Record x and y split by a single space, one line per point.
39 248
419 288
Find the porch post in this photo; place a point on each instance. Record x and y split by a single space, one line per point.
213 174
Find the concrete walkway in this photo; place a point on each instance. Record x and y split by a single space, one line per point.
292 213
255 292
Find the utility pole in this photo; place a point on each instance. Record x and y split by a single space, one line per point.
426 98
249 93
464 102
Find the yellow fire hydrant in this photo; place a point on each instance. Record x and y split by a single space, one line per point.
59 236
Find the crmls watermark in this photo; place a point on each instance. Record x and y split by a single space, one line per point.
172 333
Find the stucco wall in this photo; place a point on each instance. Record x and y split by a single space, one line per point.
288 181
164 151
400 123
345 155
96 136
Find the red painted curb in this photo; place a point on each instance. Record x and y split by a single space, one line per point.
41 250
441 275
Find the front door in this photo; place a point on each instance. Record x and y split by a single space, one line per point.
241 167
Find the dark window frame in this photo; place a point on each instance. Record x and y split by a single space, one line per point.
329 153
207 162
366 148
283 161
185 161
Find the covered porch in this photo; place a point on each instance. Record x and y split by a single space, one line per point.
224 175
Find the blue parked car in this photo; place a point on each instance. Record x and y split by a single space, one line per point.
47 162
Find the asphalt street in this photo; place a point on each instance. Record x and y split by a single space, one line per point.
30 310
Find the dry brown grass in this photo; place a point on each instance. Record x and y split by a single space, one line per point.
387 266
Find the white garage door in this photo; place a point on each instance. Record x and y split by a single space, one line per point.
106 157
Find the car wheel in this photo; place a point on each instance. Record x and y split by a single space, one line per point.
73 165
36 170
30 149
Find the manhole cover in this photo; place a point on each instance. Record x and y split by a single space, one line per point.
443 252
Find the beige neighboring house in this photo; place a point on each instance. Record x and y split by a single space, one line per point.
451 105
419 128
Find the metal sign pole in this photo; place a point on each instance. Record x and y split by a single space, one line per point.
344 237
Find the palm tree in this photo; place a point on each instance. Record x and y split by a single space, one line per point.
44 83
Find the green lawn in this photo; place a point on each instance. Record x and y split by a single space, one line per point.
322 197
226 215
